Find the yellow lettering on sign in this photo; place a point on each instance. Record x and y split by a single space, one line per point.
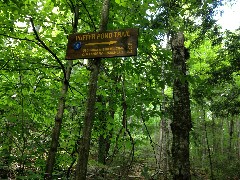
106 35
78 38
119 34
98 36
102 36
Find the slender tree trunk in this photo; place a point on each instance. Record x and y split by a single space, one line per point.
238 135
104 138
60 111
181 124
163 144
57 126
208 145
7 142
164 137
222 136
231 131
215 147
81 169
203 150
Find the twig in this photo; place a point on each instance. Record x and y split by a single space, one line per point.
5 64
71 87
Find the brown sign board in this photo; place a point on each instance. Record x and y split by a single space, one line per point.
118 43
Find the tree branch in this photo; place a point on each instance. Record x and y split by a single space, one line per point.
71 87
5 64
23 39
47 48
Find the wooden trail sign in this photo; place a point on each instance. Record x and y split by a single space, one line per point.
102 44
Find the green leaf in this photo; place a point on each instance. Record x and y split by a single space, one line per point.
121 2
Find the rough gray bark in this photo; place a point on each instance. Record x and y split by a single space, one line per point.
84 146
60 111
165 130
181 124
163 142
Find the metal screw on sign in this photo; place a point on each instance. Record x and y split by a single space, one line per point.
77 45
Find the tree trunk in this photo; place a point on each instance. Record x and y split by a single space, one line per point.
81 169
164 139
103 140
163 142
6 149
181 124
231 131
238 135
208 145
60 111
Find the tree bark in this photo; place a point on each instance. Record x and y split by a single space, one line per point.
165 130
163 142
81 168
60 111
231 132
103 140
208 145
6 140
181 124
238 135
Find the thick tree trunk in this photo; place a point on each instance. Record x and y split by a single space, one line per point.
181 124
60 111
81 169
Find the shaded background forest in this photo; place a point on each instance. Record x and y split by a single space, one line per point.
131 136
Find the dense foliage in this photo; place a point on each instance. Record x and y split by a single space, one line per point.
134 105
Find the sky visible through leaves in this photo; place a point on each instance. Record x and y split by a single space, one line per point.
230 19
